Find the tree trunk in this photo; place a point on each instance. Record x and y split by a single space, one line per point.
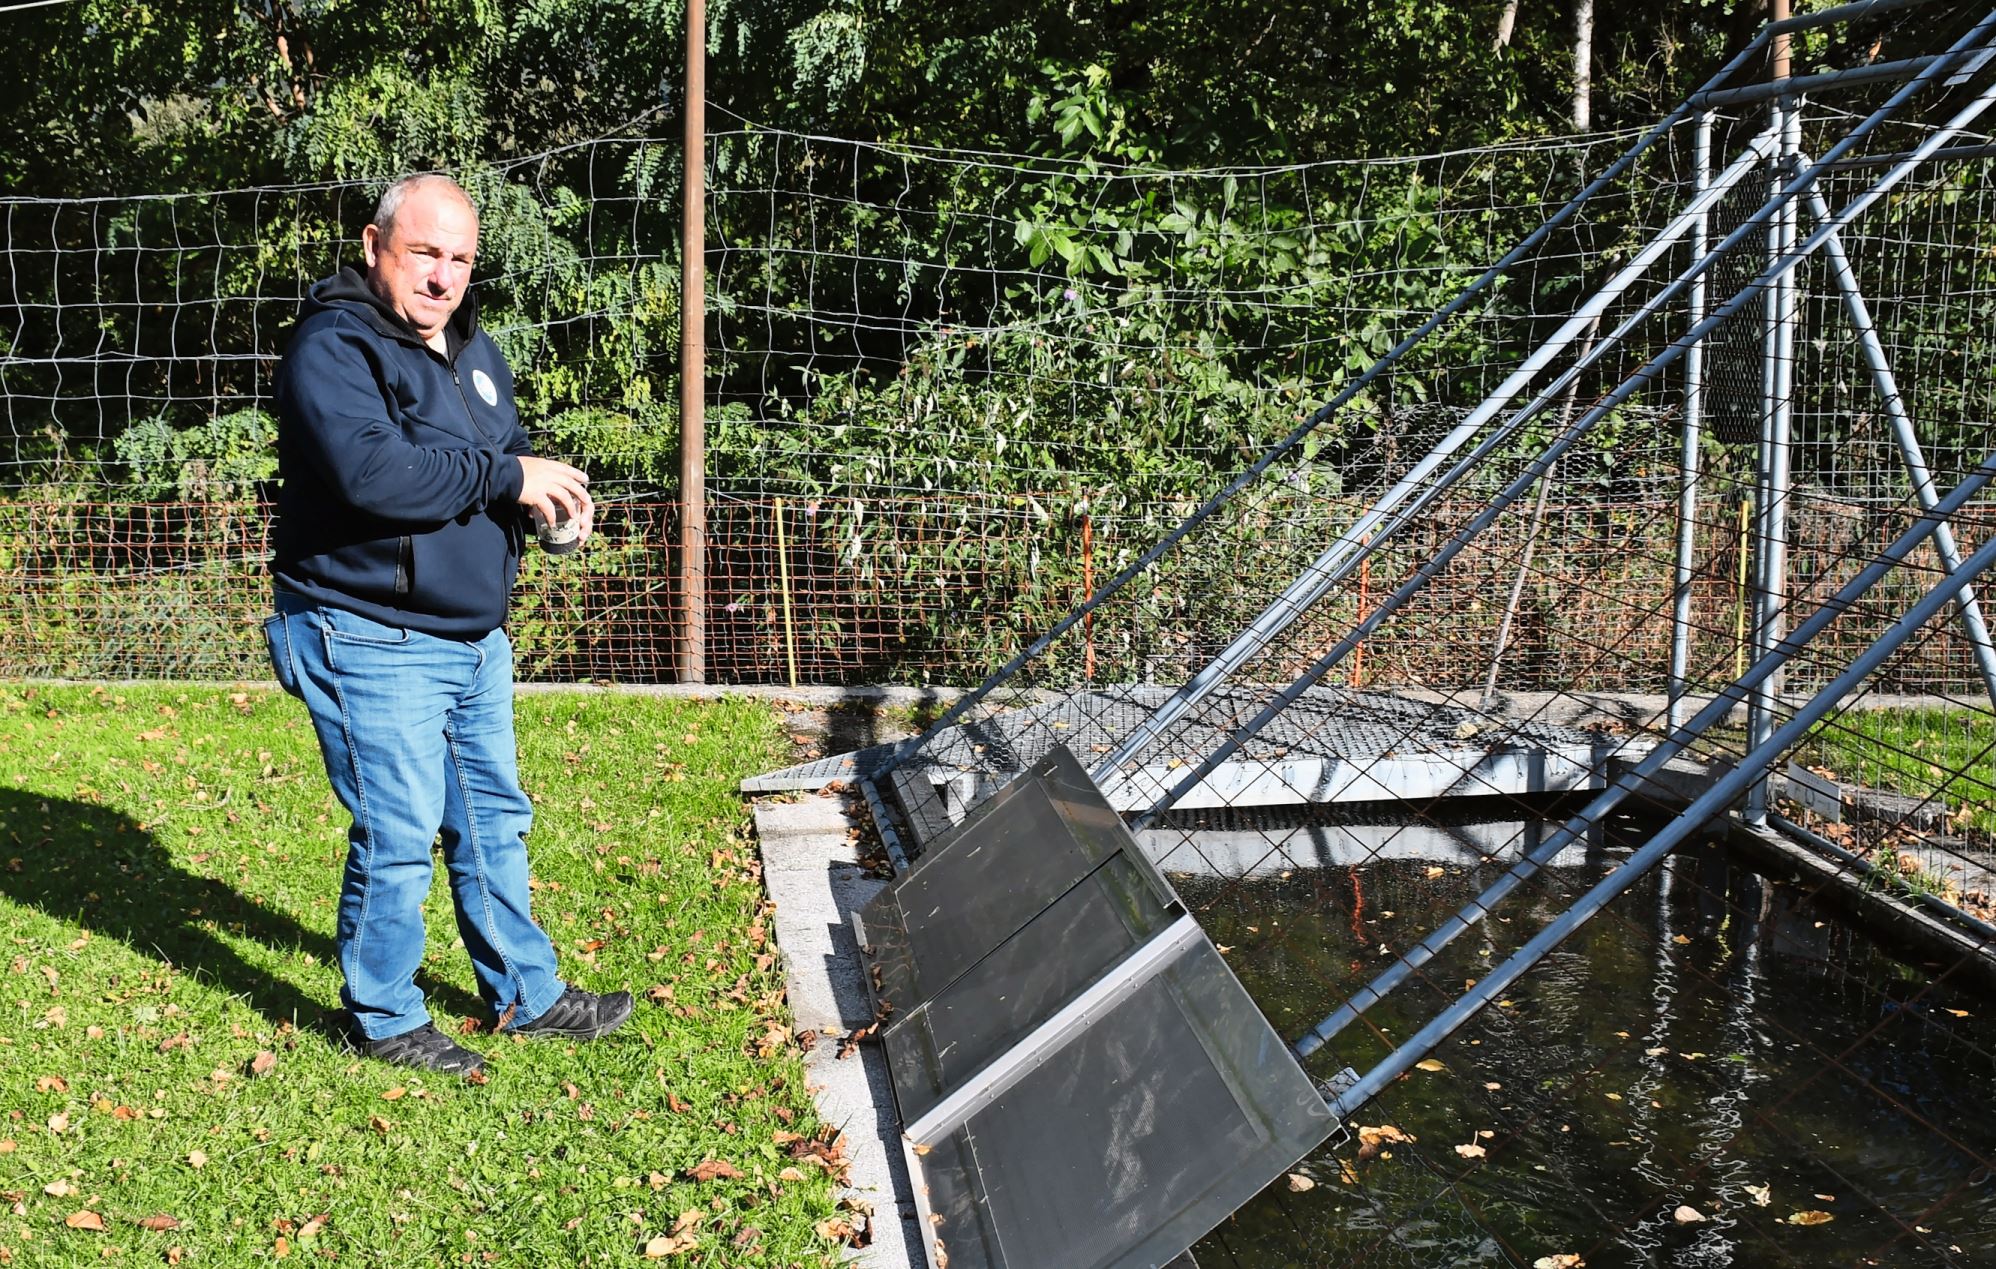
1505 22
1583 64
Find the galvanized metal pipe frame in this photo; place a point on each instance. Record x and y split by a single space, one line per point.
1702 811
1502 501
1632 781
1831 16
1384 519
1373 530
1887 386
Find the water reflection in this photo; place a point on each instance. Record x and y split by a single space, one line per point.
1714 1040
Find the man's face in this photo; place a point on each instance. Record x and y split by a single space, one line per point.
422 264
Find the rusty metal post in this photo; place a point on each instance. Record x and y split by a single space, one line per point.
693 361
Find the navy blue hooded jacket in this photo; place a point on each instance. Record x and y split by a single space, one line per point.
400 493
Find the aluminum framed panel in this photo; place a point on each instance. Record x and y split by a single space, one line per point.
1121 1132
984 881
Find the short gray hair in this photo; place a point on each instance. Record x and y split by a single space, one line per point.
392 197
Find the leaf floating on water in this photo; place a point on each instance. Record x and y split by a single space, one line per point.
1300 1184
1811 1217
1471 1152
1564 1261
1959 1013
1682 939
1762 1195
1429 1064
1687 1215
1827 1198
1433 873
1655 1052
1347 1173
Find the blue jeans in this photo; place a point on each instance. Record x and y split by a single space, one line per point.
417 734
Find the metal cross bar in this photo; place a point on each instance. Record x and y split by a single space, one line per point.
1702 810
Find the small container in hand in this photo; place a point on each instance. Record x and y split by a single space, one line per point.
560 536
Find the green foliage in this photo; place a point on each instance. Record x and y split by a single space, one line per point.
223 458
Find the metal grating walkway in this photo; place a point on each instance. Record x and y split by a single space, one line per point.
1332 745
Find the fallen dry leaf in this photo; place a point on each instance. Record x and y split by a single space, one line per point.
85 1219
58 1189
395 1094
195 1159
263 1063
670 1245
712 1170
158 1223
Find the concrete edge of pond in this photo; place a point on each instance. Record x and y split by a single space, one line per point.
813 876
1784 858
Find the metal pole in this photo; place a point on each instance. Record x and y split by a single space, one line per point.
1605 802
1689 458
1777 447
1639 379
693 361
1887 385
1702 811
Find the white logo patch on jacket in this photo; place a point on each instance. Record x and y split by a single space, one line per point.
486 388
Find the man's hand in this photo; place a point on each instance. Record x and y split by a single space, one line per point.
546 485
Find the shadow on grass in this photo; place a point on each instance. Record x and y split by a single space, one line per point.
95 867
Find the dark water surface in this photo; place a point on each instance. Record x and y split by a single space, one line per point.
1712 1039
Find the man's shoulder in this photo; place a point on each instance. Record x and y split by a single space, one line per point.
333 335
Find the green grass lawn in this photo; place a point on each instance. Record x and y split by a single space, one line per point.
170 1084
1941 755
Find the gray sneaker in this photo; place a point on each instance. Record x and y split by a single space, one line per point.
579 1015
425 1048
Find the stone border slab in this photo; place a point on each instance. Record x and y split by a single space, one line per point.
814 877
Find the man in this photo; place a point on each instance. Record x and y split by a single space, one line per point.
406 482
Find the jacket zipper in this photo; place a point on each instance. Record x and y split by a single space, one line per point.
516 535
